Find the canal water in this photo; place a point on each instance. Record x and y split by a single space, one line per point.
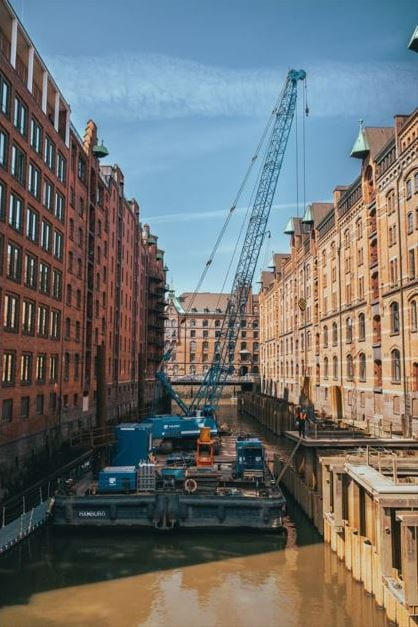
131 579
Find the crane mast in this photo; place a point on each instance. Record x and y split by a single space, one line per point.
222 365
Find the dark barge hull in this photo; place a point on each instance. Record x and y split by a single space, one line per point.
168 510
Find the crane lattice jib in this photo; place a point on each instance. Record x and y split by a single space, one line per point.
210 389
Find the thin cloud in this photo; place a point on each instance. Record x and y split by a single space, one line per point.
148 86
197 216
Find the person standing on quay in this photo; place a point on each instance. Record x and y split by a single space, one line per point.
302 422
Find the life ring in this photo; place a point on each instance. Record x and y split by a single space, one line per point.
190 485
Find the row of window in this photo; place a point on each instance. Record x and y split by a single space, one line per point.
15 210
53 158
39 368
33 319
37 274
7 414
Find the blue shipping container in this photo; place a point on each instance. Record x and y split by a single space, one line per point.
117 479
133 444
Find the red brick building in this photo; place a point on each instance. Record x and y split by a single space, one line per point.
81 281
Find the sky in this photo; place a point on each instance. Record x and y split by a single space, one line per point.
181 90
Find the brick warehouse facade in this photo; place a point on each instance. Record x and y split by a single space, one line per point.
82 282
338 314
192 329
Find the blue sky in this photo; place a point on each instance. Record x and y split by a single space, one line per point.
181 90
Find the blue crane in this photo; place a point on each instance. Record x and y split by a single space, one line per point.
208 393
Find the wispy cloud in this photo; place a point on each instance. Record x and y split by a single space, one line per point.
200 215
149 86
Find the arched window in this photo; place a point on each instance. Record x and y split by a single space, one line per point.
394 317
335 367
361 327
396 365
325 367
325 336
415 377
192 322
334 334
362 367
347 237
359 228
414 321
350 368
410 222
192 346
349 330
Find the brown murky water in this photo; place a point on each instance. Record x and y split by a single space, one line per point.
126 579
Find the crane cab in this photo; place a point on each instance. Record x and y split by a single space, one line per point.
250 459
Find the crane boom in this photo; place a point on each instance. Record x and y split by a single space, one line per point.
207 395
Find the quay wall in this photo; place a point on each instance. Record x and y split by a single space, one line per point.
375 535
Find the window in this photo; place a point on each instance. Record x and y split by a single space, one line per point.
30 271
411 262
40 404
36 136
46 230
394 317
77 331
361 287
55 324
15 212
335 367
410 222
205 323
4 142
43 317
325 336
334 334
44 278
48 196
67 330
396 365
414 320
393 265
361 327
9 368
81 169
53 368
359 228
61 168
49 154
66 366
360 259
192 333
14 262
7 413
59 206
20 116
28 317
362 367
34 182
18 168
349 331
350 368
41 368
325 367
4 96
2 201
24 407
58 244
78 299
390 200
409 188
26 368
56 284
32 224
11 313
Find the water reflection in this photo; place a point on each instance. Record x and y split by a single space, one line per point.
200 579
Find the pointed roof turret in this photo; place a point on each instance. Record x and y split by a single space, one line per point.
308 216
361 146
290 227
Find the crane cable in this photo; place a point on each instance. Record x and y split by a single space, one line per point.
231 210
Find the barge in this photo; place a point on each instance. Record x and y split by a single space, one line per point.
183 491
